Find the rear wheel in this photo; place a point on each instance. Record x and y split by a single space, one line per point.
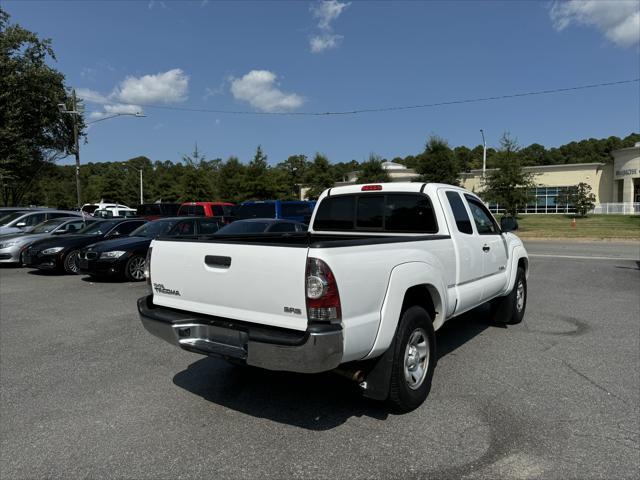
71 262
134 269
413 361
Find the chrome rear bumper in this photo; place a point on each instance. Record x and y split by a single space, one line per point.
317 349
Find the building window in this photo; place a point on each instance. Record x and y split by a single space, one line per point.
543 200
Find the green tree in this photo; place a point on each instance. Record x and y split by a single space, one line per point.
320 176
371 171
259 182
582 198
437 163
197 181
508 185
32 130
295 170
231 180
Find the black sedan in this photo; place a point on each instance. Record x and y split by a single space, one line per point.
62 254
125 257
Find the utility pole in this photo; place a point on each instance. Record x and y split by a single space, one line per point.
141 195
484 154
76 147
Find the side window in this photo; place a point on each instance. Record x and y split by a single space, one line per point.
459 213
283 227
409 213
33 220
184 227
217 210
301 227
483 219
73 226
207 227
126 228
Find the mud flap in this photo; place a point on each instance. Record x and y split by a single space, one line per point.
378 380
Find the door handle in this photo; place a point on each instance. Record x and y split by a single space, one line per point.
486 248
217 261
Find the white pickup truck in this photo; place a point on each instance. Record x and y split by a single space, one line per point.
381 268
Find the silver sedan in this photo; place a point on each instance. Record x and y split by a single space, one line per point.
12 245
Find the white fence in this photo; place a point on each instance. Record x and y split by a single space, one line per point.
626 208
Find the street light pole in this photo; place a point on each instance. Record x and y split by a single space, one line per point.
74 111
76 148
141 194
484 154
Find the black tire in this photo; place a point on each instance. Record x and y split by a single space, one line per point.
70 262
409 388
510 308
134 268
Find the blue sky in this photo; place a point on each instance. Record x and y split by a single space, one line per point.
325 56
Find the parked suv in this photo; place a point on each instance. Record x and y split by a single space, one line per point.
222 210
153 211
298 211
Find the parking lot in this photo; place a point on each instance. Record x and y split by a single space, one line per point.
86 392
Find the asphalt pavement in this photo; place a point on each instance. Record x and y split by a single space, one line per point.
86 392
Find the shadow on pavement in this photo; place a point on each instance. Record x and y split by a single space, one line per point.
315 402
46 273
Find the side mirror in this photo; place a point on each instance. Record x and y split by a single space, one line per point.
21 224
508 224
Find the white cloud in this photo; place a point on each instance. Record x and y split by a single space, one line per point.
325 41
153 3
167 87
327 11
619 20
92 96
115 109
259 88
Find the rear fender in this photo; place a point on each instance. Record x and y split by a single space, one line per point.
402 278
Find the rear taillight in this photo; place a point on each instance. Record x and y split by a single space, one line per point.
323 298
147 266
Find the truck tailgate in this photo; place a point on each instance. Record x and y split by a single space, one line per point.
261 284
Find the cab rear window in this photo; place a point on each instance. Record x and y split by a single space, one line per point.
397 212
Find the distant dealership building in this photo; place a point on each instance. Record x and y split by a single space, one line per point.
616 186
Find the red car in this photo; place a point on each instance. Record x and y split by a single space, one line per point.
222 210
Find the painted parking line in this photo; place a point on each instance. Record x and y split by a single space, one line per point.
582 257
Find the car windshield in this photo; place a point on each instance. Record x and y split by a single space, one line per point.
153 229
10 218
98 228
48 226
244 227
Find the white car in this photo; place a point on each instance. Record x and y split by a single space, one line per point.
111 212
382 267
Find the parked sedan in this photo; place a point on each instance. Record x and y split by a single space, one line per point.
61 254
25 221
12 245
262 225
124 257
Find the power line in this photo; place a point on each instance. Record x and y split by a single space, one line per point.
395 108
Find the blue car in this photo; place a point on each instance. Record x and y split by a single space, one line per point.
296 210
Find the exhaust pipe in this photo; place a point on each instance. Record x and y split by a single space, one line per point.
353 375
